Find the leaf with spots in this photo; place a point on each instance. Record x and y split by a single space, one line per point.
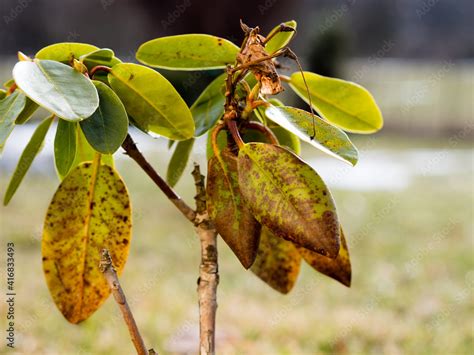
278 262
89 211
328 138
65 52
232 218
289 197
188 52
339 268
152 102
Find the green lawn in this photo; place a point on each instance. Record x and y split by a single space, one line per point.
413 275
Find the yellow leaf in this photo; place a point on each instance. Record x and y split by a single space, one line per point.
339 268
277 263
89 211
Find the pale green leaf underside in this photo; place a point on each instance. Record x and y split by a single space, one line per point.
188 52
343 103
58 88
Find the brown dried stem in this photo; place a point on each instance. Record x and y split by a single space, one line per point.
107 268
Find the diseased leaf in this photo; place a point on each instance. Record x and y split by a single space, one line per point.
65 52
288 196
188 52
281 39
58 88
89 211
179 161
339 268
10 108
278 262
343 103
152 101
209 106
231 215
29 153
107 128
328 138
27 112
65 146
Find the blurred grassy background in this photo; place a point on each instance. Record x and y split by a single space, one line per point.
407 207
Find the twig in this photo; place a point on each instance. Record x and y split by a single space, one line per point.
107 268
132 151
208 270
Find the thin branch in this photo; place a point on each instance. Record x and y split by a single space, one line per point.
132 151
208 271
107 268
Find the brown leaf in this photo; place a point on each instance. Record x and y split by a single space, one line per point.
277 263
232 218
338 268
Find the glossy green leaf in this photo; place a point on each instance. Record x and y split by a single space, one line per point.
179 161
339 268
281 39
188 52
66 51
28 111
231 215
343 103
209 106
3 93
288 196
29 153
152 101
107 128
58 88
328 138
10 108
278 262
65 146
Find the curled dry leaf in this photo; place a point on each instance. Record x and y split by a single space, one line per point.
288 196
265 71
232 218
277 263
89 211
338 268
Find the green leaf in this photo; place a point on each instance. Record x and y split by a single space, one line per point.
29 153
89 211
178 161
171 143
343 103
28 111
188 52
328 138
65 146
339 268
103 56
278 262
9 83
65 52
10 108
3 93
58 88
152 101
281 39
231 215
287 139
209 106
288 196
107 128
